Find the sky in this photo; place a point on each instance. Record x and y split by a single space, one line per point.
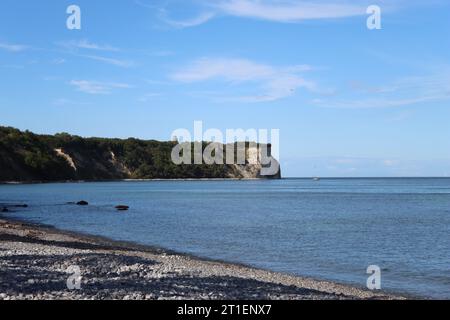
349 101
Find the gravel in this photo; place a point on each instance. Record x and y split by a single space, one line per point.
36 263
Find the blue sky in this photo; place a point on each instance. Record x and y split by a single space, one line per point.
348 101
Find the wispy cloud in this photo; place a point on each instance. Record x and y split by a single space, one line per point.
377 102
162 53
402 92
149 96
191 22
290 11
90 50
354 166
59 61
96 87
12 66
13 47
274 82
67 102
285 11
112 61
86 44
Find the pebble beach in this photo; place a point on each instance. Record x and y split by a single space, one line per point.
36 263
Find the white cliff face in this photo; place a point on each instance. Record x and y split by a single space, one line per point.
118 165
253 155
68 158
259 165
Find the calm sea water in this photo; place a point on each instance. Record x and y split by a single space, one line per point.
332 229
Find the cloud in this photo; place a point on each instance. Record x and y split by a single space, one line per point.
59 61
149 96
389 163
67 102
85 44
12 66
112 61
353 166
80 47
290 11
275 82
229 69
163 53
95 87
372 103
198 20
13 47
284 11
402 92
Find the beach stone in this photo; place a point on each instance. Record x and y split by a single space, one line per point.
148 274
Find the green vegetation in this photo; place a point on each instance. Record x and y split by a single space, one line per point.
25 156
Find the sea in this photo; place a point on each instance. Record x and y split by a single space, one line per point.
330 229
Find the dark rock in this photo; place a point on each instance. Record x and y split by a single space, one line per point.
21 206
5 210
122 208
82 203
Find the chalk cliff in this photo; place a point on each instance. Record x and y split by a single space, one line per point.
27 157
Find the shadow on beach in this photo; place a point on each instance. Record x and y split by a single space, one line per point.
35 260
109 276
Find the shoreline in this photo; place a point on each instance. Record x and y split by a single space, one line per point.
34 260
129 180
38 182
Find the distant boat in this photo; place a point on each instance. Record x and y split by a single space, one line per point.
316 179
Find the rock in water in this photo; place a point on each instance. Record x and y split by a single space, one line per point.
82 203
5 210
122 208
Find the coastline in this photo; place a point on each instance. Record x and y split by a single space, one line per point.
38 182
34 260
129 180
